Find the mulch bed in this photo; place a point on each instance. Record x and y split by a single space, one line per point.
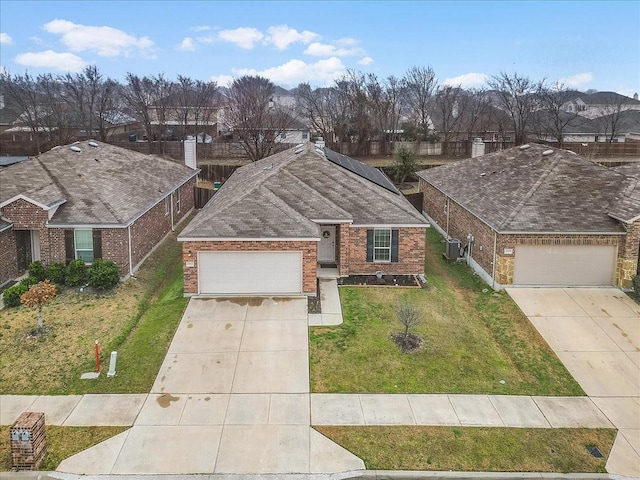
385 280
409 344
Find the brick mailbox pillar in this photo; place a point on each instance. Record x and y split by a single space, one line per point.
28 441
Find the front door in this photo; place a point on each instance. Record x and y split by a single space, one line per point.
23 247
327 247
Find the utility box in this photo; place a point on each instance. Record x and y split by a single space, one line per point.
453 248
28 441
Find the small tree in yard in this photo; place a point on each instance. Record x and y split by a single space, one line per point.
410 316
405 164
37 296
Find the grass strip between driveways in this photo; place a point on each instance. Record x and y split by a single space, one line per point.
559 450
475 340
62 442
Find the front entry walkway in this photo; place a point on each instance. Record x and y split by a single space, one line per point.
232 396
596 334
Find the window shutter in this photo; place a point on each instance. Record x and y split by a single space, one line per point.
69 246
369 245
394 245
97 244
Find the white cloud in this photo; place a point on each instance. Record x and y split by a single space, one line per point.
282 36
36 40
207 39
346 42
323 72
577 80
186 45
318 49
5 39
67 62
105 41
365 61
201 28
222 80
243 37
468 80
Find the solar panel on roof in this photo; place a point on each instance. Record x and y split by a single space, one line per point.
365 171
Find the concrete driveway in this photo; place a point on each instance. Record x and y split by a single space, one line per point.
232 396
595 332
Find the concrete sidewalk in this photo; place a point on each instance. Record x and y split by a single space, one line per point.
330 304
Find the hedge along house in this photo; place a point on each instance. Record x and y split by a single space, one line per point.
89 200
275 222
539 216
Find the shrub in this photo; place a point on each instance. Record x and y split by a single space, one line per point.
103 274
56 272
76 273
636 285
28 281
36 270
11 296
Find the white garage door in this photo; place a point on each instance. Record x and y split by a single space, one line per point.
564 265
255 273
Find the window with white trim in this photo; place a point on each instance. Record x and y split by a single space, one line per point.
167 205
382 245
83 240
178 200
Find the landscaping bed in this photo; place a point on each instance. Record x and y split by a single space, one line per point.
382 281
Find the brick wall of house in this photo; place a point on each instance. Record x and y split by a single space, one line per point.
309 251
434 204
8 257
27 216
343 248
411 251
151 228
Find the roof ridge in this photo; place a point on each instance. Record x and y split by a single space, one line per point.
530 193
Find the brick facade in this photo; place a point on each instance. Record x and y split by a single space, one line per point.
411 251
457 222
146 233
309 251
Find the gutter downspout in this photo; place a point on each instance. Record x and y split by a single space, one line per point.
495 250
447 207
130 253
171 200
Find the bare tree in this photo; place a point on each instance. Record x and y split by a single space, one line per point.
107 108
57 117
162 107
256 120
81 92
448 113
517 95
553 117
420 84
384 104
609 119
140 95
408 314
315 105
193 103
23 89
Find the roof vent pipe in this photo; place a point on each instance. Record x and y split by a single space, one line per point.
477 147
190 152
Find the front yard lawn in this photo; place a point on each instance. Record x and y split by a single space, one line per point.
137 319
475 449
475 341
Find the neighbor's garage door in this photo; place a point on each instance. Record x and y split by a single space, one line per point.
250 272
564 265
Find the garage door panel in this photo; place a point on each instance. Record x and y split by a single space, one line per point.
567 265
250 273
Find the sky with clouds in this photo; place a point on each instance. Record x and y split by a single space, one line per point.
594 44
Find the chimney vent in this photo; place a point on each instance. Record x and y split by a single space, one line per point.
190 152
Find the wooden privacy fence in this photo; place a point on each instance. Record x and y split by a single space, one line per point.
202 196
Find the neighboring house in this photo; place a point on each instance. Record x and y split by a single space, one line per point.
600 103
89 200
275 221
534 215
295 133
598 130
283 97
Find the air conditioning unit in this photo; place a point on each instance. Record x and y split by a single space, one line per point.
453 248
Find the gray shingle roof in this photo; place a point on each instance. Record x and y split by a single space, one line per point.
522 190
284 195
106 185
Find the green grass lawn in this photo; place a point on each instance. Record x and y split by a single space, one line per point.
473 340
137 319
62 442
475 449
